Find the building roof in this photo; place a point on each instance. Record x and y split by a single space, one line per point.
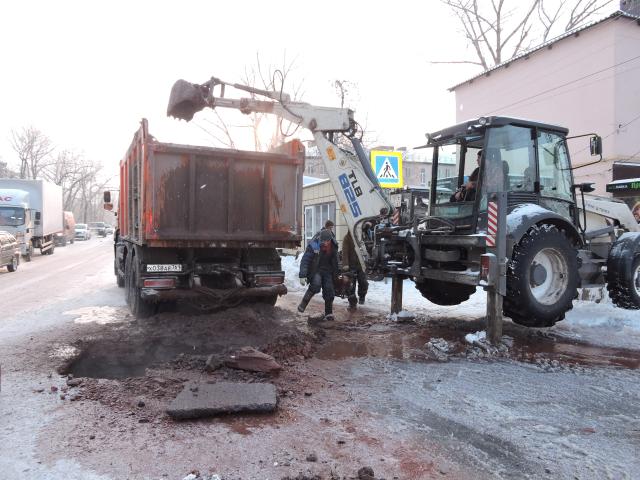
548 43
313 181
307 180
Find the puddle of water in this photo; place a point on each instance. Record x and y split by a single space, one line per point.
411 346
575 353
397 345
100 315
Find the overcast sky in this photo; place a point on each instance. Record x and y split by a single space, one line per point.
86 72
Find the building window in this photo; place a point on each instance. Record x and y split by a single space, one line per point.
315 216
423 176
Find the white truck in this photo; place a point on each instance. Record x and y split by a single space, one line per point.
31 210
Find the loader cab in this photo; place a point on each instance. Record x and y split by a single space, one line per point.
529 160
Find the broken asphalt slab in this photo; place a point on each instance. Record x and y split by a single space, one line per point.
198 400
250 359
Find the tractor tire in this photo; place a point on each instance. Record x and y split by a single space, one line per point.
542 278
623 272
445 293
139 307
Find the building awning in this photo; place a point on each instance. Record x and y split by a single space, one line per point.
625 185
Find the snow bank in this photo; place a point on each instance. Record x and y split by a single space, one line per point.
598 323
291 267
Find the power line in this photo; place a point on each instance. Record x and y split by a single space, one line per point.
563 85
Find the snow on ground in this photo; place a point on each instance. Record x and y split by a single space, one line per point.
598 323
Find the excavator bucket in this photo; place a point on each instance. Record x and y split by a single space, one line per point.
186 100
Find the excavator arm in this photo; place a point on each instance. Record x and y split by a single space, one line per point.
360 198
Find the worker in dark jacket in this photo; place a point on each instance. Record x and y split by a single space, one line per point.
351 263
318 267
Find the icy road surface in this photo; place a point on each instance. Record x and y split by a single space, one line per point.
412 401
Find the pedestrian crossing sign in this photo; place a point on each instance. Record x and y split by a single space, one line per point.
387 167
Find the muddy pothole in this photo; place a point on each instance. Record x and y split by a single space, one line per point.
179 341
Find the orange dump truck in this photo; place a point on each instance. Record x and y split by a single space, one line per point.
204 224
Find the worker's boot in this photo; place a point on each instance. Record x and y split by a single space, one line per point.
328 310
353 304
305 301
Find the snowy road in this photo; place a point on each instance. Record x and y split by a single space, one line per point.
554 406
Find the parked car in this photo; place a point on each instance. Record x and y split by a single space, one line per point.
9 251
109 230
99 228
82 231
69 232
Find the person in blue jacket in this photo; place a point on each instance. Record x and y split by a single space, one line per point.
318 267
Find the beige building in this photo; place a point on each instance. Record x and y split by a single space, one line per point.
587 80
319 203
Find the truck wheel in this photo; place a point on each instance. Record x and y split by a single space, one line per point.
119 278
542 279
71 241
445 293
13 266
64 242
27 257
623 272
138 306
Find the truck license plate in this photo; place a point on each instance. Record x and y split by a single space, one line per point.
164 267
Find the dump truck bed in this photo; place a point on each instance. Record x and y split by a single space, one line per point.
188 196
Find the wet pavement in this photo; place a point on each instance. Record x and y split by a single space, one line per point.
411 401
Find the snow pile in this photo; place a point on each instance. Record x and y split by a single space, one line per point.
291 267
402 316
439 349
475 338
379 295
602 324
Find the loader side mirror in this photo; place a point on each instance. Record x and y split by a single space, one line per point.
595 145
106 196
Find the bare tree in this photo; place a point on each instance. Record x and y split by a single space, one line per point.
349 94
269 77
33 149
73 172
5 171
501 29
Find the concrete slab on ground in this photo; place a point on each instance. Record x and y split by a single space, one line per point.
198 400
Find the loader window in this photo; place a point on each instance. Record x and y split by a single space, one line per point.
555 176
510 160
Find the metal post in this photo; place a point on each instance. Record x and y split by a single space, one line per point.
396 293
498 286
494 316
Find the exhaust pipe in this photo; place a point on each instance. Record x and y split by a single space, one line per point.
186 100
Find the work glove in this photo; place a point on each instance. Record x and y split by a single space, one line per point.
303 281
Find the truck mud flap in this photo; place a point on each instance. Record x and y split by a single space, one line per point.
233 298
